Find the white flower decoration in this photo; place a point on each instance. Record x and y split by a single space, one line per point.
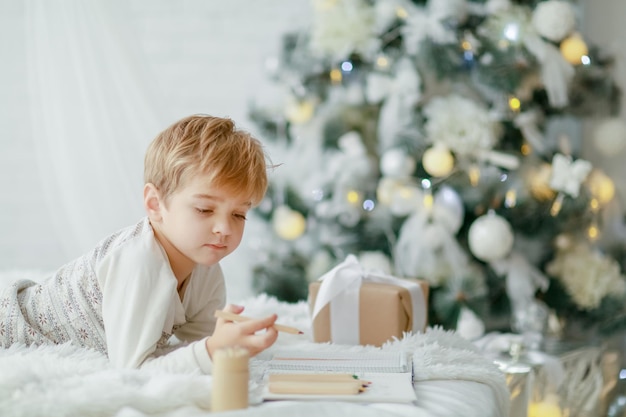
461 124
568 175
588 275
343 27
554 19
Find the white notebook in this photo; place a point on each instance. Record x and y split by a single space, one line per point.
390 374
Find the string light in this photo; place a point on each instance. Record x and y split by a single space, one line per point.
401 13
336 76
428 195
346 66
511 32
510 198
369 205
382 62
515 104
557 204
353 197
474 174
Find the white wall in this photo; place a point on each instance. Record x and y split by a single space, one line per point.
604 26
205 57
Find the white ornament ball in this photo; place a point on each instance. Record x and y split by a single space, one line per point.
554 19
490 237
396 163
469 326
287 223
438 161
449 209
610 136
601 186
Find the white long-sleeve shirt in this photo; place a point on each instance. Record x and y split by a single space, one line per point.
120 298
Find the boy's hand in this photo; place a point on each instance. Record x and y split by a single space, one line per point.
228 333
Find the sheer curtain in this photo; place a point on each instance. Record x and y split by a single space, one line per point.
93 112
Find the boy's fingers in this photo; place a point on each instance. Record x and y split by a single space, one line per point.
231 308
258 343
254 326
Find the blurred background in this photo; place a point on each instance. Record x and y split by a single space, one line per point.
86 85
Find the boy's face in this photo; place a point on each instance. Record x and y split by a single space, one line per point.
199 224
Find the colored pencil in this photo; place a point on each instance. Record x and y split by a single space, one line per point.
239 318
316 388
319 377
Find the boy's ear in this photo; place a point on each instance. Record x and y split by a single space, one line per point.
152 202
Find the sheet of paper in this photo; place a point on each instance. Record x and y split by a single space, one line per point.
340 361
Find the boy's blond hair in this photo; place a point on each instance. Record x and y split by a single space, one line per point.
207 145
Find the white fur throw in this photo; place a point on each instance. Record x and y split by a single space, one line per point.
64 380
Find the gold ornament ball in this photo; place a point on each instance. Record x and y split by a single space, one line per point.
438 161
538 181
288 224
601 186
299 112
573 49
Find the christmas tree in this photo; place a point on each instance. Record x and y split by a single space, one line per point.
441 140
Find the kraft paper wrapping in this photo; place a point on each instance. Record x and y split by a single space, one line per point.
384 312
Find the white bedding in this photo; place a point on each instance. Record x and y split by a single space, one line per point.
451 379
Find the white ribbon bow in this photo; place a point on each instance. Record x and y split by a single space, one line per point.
568 175
340 288
426 244
522 278
556 72
421 25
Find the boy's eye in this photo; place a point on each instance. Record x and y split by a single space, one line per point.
240 216
202 211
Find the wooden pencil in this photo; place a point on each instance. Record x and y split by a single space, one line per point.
318 377
316 388
239 318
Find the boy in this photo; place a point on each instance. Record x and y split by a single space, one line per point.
160 277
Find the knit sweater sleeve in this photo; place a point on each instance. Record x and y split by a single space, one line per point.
138 302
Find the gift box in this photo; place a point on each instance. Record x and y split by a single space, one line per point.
350 305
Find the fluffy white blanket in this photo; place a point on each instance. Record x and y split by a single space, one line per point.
451 378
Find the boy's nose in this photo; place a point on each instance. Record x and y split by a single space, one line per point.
222 227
